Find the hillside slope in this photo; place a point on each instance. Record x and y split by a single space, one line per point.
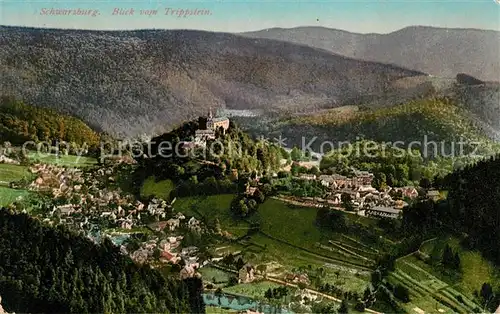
131 82
435 119
52 270
442 52
21 123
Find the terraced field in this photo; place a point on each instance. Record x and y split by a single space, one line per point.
427 292
294 226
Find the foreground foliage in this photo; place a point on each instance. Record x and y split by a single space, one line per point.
51 270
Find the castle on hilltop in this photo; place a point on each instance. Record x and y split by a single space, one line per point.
216 123
213 124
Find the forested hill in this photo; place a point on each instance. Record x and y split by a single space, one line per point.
474 197
130 82
442 52
20 123
51 270
472 208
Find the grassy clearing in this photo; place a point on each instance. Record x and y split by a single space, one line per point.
219 310
212 207
214 275
8 195
10 173
290 223
160 189
63 160
252 290
295 225
476 271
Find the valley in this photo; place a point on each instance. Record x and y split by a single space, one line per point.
289 234
282 171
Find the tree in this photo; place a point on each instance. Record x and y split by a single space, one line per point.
314 170
456 261
402 293
425 183
360 306
486 292
228 260
448 257
296 154
268 294
344 307
240 263
347 201
232 281
259 196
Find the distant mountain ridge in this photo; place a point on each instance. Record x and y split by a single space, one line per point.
443 52
132 82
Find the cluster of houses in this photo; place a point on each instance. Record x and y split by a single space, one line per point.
365 199
86 197
87 201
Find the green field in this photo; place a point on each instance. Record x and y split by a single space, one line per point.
63 160
160 189
8 195
252 290
218 310
296 226
211 273
211 207
434 287
10 173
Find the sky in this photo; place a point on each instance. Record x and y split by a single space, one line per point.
361 16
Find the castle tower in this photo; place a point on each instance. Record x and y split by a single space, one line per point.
210 120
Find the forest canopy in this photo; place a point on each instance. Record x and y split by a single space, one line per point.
20 123
52 270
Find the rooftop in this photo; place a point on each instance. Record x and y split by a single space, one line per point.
204 132
386 210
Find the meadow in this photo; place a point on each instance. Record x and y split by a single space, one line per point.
295 225
10 173
8 195
62 160
253 290
160 189
210 208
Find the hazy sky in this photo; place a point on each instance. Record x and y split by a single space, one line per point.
379 16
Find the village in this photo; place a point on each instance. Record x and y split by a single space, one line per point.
357 193
151 231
